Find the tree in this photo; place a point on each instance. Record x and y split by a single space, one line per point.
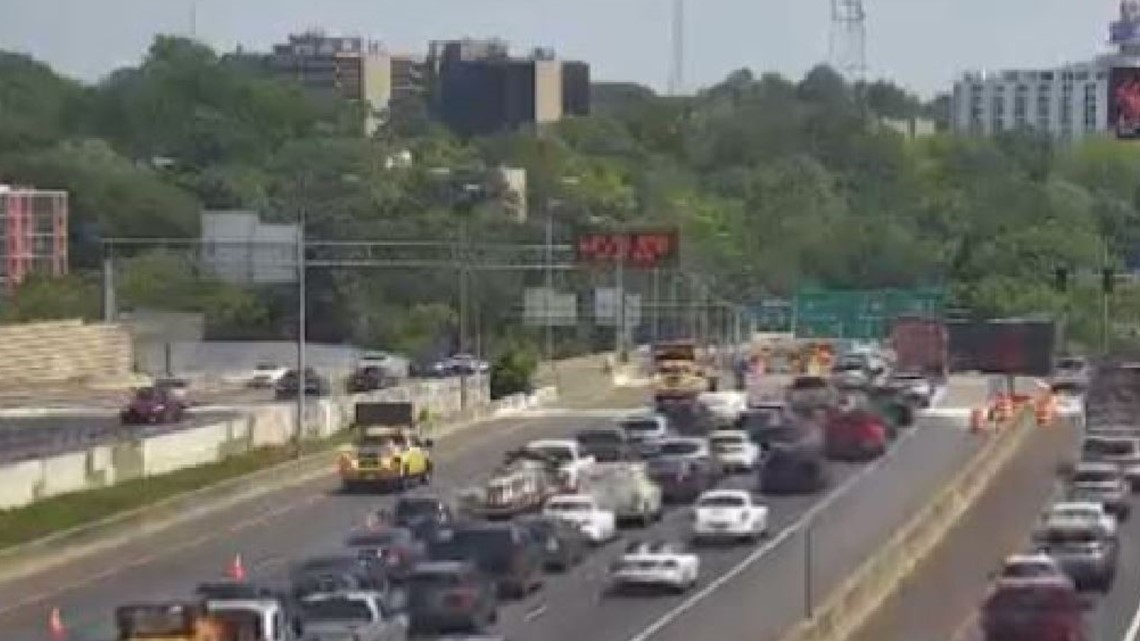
42 297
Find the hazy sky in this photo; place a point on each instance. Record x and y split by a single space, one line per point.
920 43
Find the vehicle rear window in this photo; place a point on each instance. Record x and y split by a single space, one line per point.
472 543
640 425
1109 447
1094 476
1069 535
676 448
722 501
412 508
598 437
335 610
1027 571
727 439
1032 599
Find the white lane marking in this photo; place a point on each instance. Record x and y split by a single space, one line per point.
672 615
535 613
1133 626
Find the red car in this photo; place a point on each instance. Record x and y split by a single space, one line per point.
152 405
855 436
1034 610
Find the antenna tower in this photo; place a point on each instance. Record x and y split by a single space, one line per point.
677 69
848 43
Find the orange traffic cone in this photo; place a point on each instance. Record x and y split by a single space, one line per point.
977 420
236 570
55 626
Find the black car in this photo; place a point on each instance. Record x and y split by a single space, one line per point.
504 551
288 384
396 547
768 428
681 480
606 441
808 394
424 515
450 596
794 469
369 379
337 573
563 545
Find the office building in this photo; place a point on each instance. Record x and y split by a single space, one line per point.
479 89
33 234
239 248
1070 102
349 68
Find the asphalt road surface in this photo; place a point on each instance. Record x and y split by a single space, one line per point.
27 438
745 593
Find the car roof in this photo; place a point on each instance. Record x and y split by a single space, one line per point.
1111 438
728 432
1037 557
1076 505
355 595
1093 466
651 547
553 442
736 494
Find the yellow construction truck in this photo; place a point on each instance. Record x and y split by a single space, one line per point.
387 450
678 379
177 621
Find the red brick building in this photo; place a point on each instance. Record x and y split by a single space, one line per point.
33 234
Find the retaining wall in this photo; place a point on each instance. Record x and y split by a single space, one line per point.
26 482
56 351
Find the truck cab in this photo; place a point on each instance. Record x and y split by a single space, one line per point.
387 449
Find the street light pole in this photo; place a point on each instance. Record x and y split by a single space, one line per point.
302 326
547 320
619 325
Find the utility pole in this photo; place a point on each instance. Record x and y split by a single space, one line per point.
619 325
548 321
302 328
108 283
656 302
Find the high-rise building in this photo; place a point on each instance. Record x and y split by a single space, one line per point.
350 68
33 234
1070 102
479 89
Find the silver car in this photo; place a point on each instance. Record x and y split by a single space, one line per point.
1084 553
1102 483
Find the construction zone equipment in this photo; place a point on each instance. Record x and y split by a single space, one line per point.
387 450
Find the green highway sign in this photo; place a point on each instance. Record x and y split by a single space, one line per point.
861 314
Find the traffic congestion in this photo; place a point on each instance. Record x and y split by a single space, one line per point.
435 563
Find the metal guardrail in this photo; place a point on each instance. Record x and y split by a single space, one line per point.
851 604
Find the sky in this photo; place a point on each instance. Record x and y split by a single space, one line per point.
920 44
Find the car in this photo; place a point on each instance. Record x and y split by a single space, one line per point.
385 457
807 394
1102 483
582 510
734 451
564 545
685 447
423 514
152 405
264 617
681 479
914 385
721 409
656 564
1082 513
645 432
1083 552
393 366
1073 369
360 615
336 572
850 371
506 552
1120 450
627 490
572 459
286 387
1033 610
450 596
728 514
794 469
369 379
1019 567
179 389
264 375
397 548
857 435
610 443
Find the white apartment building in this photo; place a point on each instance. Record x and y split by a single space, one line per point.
1070 102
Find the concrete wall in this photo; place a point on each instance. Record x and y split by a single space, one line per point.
30 481
58 351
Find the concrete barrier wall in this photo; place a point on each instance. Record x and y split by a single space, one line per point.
57 351
261 426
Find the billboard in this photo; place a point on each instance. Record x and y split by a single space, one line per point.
1124 102
542 307
645 249
606 307
1020 347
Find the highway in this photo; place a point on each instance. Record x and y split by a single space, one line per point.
27 438
745 593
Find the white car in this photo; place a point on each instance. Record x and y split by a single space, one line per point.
1118 449
724 408
661 565
1080 514
263 376
734 450
582 511
915 384
1022 567
573 462
732 514
645 431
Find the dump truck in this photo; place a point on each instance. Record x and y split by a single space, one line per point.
921 345
387 449
677 383
175 621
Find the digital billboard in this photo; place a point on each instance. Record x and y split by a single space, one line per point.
1014 347
1124 102
645 249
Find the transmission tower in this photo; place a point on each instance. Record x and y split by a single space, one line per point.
848 42
677 68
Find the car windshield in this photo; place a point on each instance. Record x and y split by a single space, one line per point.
679 448
335 610
471 543
722 500
907 378
727 439
1070 364
1060 536
598 437
1028 570
560 453
1110 447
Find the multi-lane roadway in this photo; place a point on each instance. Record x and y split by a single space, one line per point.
745 593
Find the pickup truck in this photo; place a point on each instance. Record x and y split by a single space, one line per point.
351 616
573 462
